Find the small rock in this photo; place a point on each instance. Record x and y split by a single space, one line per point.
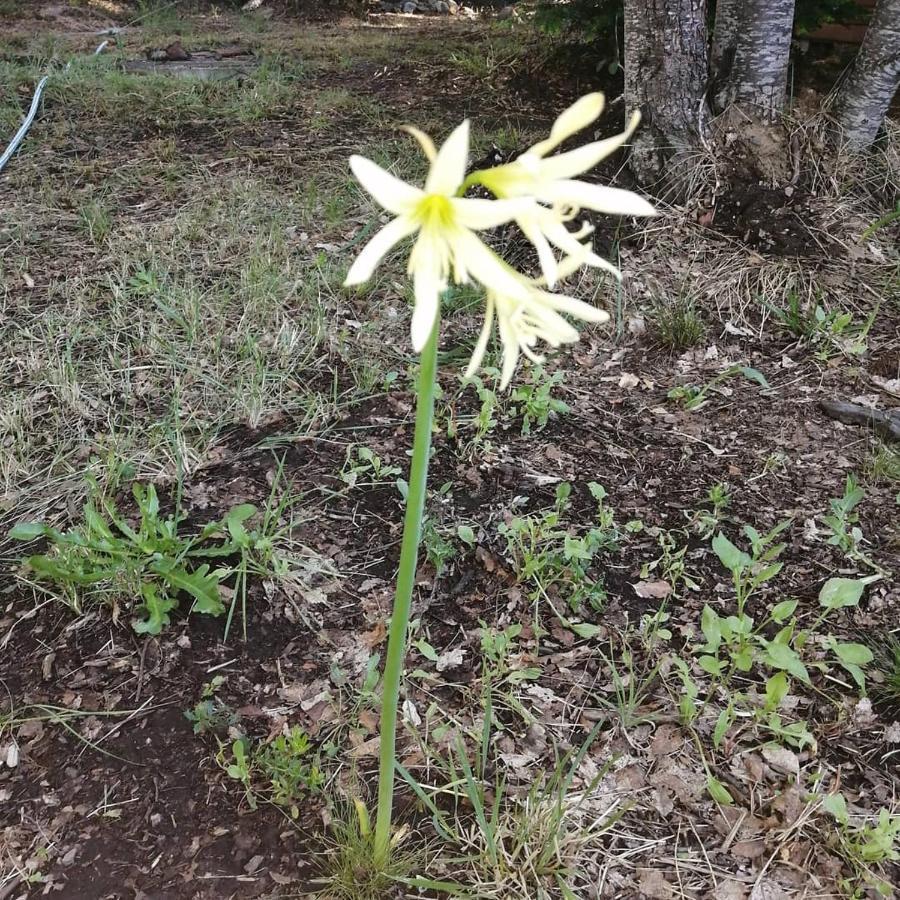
176 53
409 8
443 8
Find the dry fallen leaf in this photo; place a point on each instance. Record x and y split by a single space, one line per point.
366 748
730 890
653 885
652 590
450 659
781 759
749 849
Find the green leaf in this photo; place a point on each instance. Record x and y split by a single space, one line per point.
840 592
710 625
585 629
723 723
784 610
743 659
836 805
710 664
97 524
426 649
157 611
147 501
768 573
28 531
466 534
776 690
854 654
718 791
733 559
754 375
780 656
234 521
857 674
202 586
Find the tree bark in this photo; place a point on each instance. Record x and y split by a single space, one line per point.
863 99
666 72
762 53
726 31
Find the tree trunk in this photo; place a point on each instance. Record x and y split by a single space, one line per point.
762 52
726 31
665 77
864 97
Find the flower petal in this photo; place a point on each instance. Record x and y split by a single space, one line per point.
425 142
483 338
578 116
427 286
532 230
481 214
568 242
582 194
377 248
394 195
510 347
572 307
471 255
583 159
449 167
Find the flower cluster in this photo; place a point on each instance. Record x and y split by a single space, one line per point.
539 192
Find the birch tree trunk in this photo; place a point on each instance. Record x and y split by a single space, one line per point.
724 39
866 93
762 52
666 73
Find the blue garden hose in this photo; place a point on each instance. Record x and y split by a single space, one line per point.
32 112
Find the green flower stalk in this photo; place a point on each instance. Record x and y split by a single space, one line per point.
539 193
406 577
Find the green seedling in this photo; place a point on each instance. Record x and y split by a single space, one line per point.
843 522
670 565
106 558
827 330
210 715
557 560
365 468
280 771
865 846
533 403
706 521
692 397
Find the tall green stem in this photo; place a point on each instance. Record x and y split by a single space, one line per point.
406 576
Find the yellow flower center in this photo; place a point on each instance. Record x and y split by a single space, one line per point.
435 211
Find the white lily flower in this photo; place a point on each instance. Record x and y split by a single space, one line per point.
446 245
552 181
522 323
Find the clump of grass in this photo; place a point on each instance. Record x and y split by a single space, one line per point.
885 689
677 324
349 869
884 465
95 219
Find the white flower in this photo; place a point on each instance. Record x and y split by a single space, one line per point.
522 323
445 245
551 181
